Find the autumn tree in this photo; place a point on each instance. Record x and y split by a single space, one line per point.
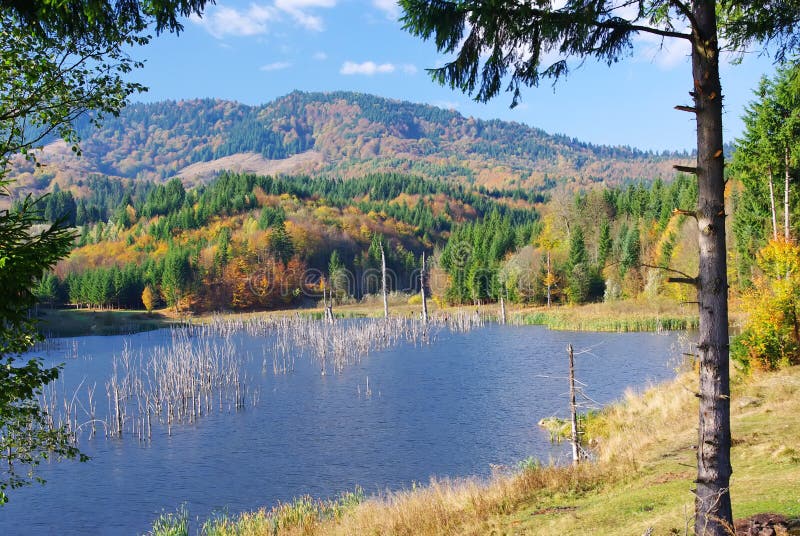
149 298
507 44
548 240
770 337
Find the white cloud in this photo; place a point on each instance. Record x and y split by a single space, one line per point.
390 7
275 66
409 68
367 68
298 10
319 56
221 21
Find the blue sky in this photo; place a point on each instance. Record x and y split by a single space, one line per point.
255 51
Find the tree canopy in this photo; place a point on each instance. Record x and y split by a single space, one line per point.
81 16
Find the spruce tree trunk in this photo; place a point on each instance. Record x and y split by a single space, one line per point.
713 515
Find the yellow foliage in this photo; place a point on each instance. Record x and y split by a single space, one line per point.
780 259
771 336
148 298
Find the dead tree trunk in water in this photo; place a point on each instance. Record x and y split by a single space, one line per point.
383 284
502 311
422 291
573 410
328 306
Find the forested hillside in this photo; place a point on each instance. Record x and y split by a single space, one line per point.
248 242
336 134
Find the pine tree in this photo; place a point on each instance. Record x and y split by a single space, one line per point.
604 243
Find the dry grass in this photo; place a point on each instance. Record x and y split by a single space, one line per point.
442 507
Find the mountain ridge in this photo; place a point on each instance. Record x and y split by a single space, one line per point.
341 133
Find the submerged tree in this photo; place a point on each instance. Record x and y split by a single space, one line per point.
507 42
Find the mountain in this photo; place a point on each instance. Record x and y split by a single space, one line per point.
340 134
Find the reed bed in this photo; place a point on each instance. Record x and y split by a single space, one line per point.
459 321
617 316
202 368
172 385
331 345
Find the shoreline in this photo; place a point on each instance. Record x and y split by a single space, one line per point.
621 316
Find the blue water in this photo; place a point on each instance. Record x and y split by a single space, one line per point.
454 407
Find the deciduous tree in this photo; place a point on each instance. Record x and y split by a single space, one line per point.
61 59
148 298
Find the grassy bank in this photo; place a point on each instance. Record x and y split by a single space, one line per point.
641 478
75 323
629 315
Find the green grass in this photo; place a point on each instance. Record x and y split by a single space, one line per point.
560 321
171 524
622 316
74 323
655 489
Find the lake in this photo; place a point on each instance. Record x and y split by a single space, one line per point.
452 406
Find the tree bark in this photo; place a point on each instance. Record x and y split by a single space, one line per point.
713 514
786 233
772 205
